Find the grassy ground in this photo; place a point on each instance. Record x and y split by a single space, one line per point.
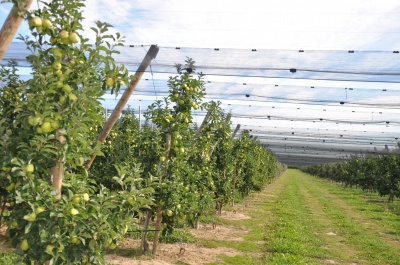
300 219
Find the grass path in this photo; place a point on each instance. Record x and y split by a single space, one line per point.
299 219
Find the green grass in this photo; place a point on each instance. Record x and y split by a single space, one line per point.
300 219
6 258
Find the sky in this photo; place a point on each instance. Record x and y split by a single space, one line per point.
325 30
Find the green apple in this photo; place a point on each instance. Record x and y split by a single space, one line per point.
162 158
74 211
73 37
31 120
24 245
182 150
10 187
36 21
72 97
169 213
46 23
30 217
112 246
58 72
57 65
65 41
49 249
131 200
59 84
67 88
76 198
92 243
54 125
39 210
46 127
74 240
14 224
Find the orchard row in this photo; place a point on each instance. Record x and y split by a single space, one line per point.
372 173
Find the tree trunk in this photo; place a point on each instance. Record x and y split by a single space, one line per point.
219 208
157 232
144 243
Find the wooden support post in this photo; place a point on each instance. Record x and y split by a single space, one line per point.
11 26
236 130
159 209
57 175
151 54
205 120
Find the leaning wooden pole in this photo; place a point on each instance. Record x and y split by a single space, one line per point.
11 26
205 120
159 208
235 131
151 54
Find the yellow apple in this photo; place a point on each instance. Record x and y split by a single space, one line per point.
73 37
110 81
36 21
30 168
64 34
46 23
86 197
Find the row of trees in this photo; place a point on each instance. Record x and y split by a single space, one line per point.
372 173
169 171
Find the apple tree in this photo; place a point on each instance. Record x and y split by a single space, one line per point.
60 213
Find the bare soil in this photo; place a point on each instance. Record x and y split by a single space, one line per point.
187 253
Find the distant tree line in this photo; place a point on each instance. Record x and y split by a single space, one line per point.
372 173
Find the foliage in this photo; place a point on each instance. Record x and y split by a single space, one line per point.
50 123
46 127
371 173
